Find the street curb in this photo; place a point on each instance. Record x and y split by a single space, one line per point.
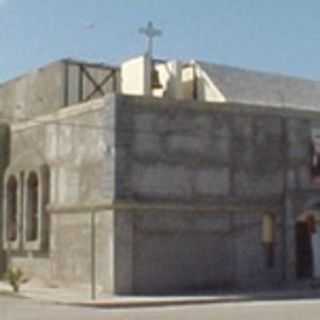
173 303
151 304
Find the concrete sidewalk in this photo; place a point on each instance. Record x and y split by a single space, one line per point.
82 297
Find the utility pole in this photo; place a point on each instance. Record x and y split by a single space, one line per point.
93 256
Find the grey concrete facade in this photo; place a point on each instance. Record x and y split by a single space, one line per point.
55 86
219 168
154 196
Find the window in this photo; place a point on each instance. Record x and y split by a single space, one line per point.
12 209
32 209
25 222
268 226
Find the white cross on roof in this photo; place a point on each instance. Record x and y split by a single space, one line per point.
150 32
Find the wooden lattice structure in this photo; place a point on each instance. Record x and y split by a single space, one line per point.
85 81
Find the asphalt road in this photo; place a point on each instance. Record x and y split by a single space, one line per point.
22 309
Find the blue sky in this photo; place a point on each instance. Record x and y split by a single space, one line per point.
274 35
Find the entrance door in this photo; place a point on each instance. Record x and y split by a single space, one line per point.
304 257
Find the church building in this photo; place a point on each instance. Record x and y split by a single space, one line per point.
160 177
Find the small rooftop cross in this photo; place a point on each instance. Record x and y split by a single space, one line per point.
150 32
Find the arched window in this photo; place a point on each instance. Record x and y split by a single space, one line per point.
12 209
32 214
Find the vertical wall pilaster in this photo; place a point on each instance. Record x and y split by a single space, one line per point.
123 252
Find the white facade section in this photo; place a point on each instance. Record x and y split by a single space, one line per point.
136 76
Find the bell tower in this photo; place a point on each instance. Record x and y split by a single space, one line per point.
138 75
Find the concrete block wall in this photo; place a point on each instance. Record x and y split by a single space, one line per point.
258 157
36 93
176 251
192 153
211 150
178 151
74 258
299 152
54 86
157 151
181 252
250 259
76 144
